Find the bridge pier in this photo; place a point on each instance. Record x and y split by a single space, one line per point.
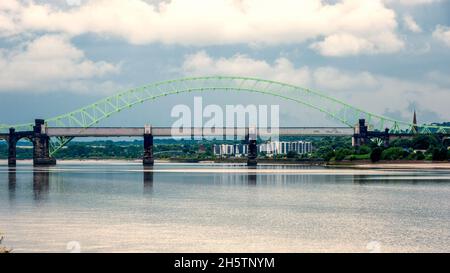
361 134
148 147
386 138
41 143
252 153
12 150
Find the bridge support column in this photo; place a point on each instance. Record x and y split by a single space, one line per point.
12 150
148 147
41 143
386 138
361 134
252 152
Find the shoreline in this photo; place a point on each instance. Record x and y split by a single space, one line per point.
445 165
398 166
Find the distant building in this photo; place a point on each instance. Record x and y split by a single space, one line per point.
227 150
284 147
269 148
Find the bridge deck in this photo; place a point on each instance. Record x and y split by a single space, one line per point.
168 132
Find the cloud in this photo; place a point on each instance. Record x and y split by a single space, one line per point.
50 63
364 89
361 27
411 24
395 93
282 69
442 34
346 44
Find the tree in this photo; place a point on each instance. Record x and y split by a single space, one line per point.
329 155
424 142
363 150
420 155
324 152
341 154
394 153
375 156
291 154
404 143
439 154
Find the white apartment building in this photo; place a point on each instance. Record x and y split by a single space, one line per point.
269 148
284 147
225 150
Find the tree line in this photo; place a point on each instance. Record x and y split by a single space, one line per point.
421 147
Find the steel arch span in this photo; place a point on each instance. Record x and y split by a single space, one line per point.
91 115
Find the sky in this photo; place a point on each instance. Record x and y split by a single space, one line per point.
386 56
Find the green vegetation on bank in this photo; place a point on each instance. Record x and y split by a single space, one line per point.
107 149
337 149
421 147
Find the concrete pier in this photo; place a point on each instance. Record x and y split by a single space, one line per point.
252 148
148 159
361 137
41 143
12 150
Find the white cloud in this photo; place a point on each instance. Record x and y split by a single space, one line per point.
366 90
442 33
364 26
51 63
281 70
346 44
8 15
411 24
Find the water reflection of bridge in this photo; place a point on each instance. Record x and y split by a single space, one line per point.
44 180
40 180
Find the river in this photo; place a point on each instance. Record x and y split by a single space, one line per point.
123 207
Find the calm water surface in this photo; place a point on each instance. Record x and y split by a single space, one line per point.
222 208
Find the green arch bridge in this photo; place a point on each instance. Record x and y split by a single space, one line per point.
364 123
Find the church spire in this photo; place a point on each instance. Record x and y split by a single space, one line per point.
415 129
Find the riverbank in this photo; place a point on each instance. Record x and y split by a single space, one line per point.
357 164
404 164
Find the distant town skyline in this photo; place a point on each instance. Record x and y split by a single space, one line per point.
55 56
